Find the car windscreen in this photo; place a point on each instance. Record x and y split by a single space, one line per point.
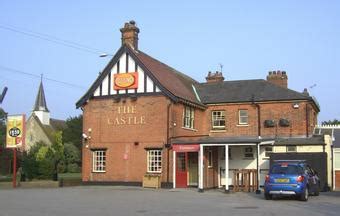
286 169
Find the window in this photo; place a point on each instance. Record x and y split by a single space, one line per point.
154 161
248 152
218 119
267 151
243 117
291 148
188 117
99 161
210 159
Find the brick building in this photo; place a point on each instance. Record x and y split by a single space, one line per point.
144 118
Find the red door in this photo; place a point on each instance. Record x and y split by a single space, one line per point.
181 170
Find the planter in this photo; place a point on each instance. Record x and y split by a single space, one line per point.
152 180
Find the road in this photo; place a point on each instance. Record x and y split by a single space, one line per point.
130 201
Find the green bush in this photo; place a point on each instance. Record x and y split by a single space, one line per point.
73 168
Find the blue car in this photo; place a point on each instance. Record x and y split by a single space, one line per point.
291 178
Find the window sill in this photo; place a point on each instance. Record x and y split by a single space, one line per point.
191 129
217 131
242 125
98 171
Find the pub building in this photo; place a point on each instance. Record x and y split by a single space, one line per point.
142 118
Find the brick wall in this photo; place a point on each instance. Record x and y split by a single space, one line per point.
125 129
268 111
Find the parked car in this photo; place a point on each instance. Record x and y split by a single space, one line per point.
291 178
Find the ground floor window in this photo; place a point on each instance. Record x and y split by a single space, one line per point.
268 150
291 148
210 158
248 152
154 161
99 160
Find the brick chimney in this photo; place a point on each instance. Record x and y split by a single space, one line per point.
130 34
214 77
279 78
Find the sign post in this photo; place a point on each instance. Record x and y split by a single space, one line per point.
15 137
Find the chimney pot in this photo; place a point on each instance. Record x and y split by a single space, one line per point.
278 77
130 34
214 77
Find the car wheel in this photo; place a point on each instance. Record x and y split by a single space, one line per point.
304 195
267 196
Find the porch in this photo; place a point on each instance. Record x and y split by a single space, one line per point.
204 166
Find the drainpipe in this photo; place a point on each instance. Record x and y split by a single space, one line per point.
307 120
258 145
168 143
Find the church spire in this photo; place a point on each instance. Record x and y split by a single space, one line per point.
40 107
40 101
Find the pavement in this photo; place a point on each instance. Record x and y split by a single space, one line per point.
129 201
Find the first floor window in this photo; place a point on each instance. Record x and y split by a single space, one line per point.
248 152
154 161
188 117
99 160
243 117
218 119
291 148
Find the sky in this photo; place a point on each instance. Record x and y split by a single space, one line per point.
62 40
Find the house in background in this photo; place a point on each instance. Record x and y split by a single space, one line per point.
142 118
39 126
333 132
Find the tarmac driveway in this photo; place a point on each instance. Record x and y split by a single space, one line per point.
130 201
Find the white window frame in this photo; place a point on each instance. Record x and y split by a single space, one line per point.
218 116
154 161
241 118
99 161
247 151
188 117
288 150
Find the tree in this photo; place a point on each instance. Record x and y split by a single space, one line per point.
331 122
72 158
73 131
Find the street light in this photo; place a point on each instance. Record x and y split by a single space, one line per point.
103 55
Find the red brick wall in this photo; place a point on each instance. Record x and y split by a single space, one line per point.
118 127
275 111
126 160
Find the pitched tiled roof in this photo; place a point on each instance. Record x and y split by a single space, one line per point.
181 87
173 83
245 91
179 84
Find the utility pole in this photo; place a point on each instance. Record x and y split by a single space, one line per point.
2 96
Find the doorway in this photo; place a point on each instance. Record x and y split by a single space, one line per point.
186 169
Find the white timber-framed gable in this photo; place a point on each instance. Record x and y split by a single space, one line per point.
125 63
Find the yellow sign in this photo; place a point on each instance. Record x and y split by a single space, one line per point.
126 81
15 133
